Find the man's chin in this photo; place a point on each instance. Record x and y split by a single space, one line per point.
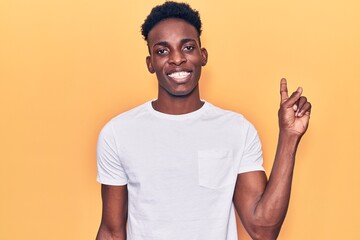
180 94
183 93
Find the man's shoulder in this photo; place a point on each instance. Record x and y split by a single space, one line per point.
229 117
132 113
223 112
128 116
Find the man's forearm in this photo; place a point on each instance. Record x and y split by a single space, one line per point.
273 204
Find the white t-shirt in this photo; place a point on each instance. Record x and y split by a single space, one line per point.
180 170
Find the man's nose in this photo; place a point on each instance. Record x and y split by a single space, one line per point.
177 58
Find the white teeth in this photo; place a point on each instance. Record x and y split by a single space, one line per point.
179 74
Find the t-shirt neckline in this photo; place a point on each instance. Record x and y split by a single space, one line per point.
190 115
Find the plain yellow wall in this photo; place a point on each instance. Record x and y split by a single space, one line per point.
67 67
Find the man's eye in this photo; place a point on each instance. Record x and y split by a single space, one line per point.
162 51
188 48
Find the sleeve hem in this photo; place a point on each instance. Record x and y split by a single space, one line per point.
251 169
111 183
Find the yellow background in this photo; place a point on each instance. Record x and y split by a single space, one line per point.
67 67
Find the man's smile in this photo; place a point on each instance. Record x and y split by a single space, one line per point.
179 76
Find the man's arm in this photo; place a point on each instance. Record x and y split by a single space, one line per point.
262 204
114 213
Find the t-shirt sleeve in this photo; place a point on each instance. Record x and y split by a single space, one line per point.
110 170
252 159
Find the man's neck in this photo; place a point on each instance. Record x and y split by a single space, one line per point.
177 105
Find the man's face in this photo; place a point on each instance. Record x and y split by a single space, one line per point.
175 57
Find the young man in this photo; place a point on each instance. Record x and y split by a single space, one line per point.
174 168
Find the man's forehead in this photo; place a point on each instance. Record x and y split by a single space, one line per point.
172 29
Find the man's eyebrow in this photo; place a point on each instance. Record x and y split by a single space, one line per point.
166 44
163 43
185 40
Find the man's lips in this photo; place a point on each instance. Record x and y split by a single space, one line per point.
179 75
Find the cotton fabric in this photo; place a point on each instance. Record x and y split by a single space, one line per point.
180 170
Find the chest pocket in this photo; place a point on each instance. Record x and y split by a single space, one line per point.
216 168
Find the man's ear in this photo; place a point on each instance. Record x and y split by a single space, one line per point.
149 65
204 56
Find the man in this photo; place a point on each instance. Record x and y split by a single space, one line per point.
174 168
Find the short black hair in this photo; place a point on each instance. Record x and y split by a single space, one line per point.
171 9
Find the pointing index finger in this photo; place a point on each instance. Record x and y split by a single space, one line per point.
283 90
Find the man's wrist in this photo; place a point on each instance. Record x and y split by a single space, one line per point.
289 136
288 142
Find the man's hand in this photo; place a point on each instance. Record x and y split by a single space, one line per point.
294 112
